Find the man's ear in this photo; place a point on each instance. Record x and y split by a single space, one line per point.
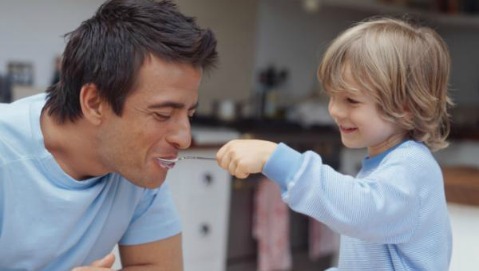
92 105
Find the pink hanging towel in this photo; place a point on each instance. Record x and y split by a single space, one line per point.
271 228
322 240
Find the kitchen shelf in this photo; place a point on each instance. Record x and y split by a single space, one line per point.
459 19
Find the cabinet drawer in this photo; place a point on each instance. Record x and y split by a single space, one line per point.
206 181
199 177
204 233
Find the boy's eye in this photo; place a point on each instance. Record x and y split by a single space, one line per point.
352 101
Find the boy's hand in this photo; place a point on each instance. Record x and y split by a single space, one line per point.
242 157
102 264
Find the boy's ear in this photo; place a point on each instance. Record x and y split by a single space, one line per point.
91 104
407 112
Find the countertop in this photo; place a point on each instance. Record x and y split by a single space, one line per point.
461 184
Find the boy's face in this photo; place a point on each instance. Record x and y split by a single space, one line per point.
360 122
155 122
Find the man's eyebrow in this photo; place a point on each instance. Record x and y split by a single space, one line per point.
173 105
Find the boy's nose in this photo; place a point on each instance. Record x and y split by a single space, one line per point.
333 108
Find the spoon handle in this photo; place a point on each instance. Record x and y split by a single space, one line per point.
197 158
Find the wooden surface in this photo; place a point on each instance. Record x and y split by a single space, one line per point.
462 184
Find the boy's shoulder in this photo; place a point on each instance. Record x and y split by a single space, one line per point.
409 149
414 156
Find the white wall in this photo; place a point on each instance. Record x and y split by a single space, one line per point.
234 24
32 30
289 37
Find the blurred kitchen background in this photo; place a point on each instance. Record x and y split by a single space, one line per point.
265 87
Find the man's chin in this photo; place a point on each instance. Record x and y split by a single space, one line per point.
153 186
149 183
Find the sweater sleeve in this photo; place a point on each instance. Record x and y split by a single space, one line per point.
381 207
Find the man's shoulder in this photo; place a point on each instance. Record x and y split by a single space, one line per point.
19 110
17 132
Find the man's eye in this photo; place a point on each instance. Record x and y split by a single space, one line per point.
161 116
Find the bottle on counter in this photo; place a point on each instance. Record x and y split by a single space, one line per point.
271 82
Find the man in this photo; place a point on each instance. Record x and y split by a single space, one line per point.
79 168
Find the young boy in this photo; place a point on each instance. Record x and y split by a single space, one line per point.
387 81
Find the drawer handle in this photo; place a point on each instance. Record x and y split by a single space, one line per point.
205 229
208 179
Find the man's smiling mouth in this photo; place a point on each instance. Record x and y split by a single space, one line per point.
166 163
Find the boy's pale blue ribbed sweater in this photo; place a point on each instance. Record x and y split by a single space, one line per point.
392 216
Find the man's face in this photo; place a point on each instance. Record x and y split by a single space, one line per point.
155 122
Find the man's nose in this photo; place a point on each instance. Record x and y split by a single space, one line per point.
180 136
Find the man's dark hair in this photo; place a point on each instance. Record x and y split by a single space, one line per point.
109 49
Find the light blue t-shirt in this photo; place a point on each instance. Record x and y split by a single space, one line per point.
391 216
49 221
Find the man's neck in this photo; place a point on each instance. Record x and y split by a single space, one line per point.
73 147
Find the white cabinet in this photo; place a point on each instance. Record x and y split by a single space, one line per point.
201 191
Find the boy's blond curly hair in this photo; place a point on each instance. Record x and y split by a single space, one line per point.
403 66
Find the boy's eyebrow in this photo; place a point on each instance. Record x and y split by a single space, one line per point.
173 105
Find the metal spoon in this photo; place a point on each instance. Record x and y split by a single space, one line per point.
186 157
